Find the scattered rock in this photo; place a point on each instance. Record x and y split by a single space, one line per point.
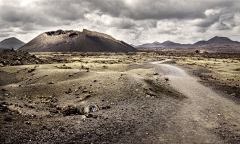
51 83
91 116
234 87
27 122
84 117
155 74
166 79
80 109
73 109
91 108
31 70
69 109
106 107
87 69
4 90
15 109
17 62
31 106
88 96
69 91
3 108
9 119
233 94
85 91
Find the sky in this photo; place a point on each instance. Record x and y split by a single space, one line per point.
133 21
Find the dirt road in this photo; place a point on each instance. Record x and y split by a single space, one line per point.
205 117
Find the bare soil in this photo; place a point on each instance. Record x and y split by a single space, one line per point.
139 102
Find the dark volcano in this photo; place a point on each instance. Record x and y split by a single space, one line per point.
11 43
75 41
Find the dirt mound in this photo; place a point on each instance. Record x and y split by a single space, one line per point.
75 41
12 57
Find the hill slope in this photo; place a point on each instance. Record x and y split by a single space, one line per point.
216 40
11 43
75 41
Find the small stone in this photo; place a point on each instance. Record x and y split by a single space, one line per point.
80 109
4 90
28 123
69 91
87 69
89 115
91 108
88 96
51 83
69 109
106 107
31 70
148 96
85 91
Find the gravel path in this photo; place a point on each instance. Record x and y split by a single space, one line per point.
206 117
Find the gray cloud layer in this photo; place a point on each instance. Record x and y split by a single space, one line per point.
135 21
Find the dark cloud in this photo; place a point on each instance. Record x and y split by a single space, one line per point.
205 23
136 18
158 9
222 26
4 35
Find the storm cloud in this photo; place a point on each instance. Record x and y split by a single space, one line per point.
133 21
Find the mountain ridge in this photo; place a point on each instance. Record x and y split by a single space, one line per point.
167 43
217 40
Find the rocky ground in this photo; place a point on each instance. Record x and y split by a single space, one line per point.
93 98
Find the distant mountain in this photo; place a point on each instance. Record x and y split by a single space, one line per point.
216 41
164 44
155 44
11 43
76 41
